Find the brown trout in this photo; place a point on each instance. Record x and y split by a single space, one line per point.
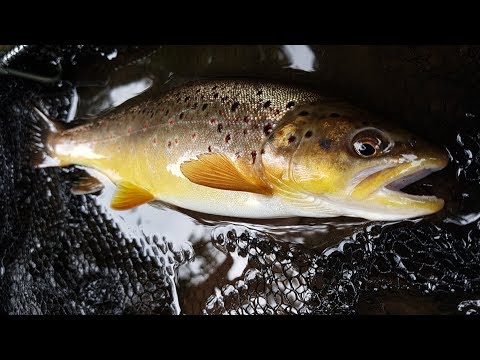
250 149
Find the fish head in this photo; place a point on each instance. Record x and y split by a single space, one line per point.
351 162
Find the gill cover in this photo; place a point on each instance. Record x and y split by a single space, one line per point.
307 152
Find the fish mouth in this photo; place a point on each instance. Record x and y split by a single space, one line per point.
384 187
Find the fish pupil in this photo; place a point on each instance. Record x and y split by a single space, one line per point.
365 149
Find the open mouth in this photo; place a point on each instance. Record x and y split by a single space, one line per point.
391 186
398 187
402 184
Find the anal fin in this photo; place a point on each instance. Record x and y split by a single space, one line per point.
129 195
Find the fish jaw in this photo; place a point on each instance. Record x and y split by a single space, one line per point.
382 191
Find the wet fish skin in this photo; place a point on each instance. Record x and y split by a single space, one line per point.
231 148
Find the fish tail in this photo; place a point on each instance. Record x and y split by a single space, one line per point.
44 131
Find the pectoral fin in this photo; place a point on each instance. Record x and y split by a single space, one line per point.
219 171
129 196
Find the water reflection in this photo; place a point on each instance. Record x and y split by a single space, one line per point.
301 57
147 220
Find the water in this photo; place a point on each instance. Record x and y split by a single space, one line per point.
342 265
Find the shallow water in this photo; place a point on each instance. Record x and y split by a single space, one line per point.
342 265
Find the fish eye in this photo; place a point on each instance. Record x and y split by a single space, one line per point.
365 147
370 142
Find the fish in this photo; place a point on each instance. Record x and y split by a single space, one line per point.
247 149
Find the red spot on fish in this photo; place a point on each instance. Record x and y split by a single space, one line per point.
194 136
255 126
171 122
145 126
209 149
254 156
246 120
129 130
176 141
212 121
227 138
154 139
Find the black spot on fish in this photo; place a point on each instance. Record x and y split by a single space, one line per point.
291 139
334 115
267 129
303 113
169 143
325 143
254 156
245 131
181 115
260 92
167 111
235 105
215 95
195 105
246 120
224 98
198 90
219 128
204 106
267 104
308 134
186 98
209 149
290 104
227 138
214 88
262 152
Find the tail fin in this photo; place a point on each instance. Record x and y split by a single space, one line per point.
44 132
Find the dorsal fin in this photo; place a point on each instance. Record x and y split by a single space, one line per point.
129 196
218 171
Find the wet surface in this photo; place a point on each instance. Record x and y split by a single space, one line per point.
61 253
